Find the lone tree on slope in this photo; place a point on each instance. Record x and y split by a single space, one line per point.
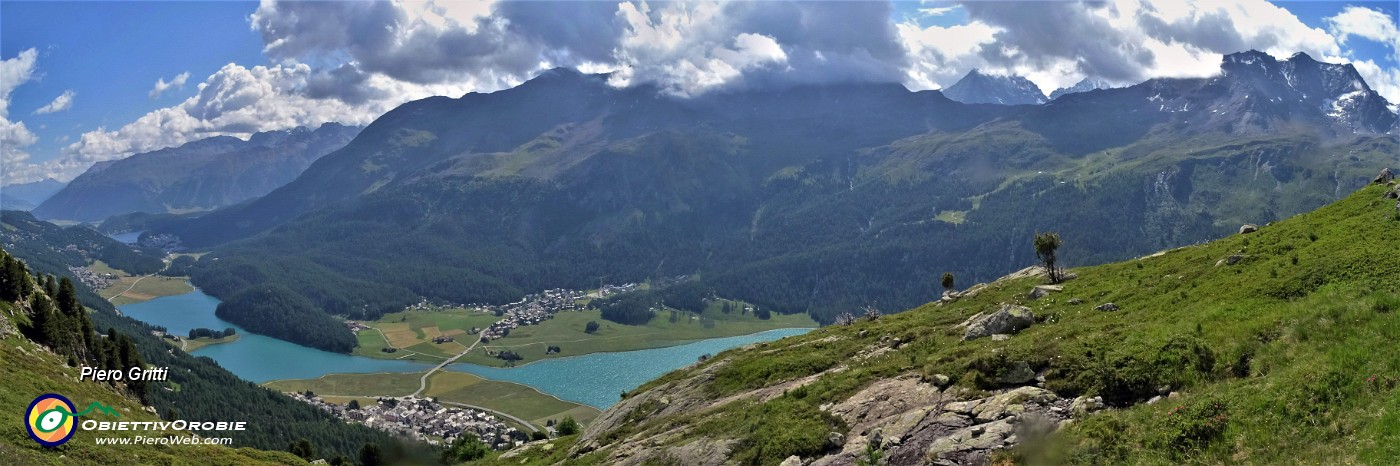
1045 246
947 281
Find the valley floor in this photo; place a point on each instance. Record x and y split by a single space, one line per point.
412 333
516 401
127 288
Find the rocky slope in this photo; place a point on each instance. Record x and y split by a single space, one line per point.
1272 345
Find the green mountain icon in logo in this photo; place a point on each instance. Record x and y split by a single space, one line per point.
96 405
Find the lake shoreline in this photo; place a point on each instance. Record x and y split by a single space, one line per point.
261 359
681 343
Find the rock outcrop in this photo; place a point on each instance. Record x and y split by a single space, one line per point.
911 422
1231 260
1007 320
1248 228
1043 291
1385 177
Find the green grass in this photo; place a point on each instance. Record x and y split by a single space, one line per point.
197 343
566 330
956 217
29 371
514 399
423 349
145 288
1286 357
366 385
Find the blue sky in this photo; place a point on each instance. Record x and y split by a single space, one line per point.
110 55
284 64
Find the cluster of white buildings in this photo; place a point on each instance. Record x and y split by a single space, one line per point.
425 420
530 310
92 279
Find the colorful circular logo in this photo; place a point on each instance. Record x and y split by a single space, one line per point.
49 420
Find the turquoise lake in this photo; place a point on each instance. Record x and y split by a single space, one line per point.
599 379
593 379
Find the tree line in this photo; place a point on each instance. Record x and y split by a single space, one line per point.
202 332
59 322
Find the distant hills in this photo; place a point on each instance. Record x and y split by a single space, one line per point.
25 196
979 88
817 199
197 176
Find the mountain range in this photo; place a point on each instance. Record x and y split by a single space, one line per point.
980 88
198 176
25 196
818 199
1084 85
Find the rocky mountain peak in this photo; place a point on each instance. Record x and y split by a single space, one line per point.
981 88
1302 85
1084 85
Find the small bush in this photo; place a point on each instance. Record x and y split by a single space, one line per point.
1128 376
1191 427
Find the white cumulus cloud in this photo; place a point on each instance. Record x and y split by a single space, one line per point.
352 61
687 48
1363 22
63 102
178 82
14 136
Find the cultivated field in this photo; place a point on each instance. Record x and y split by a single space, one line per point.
127 288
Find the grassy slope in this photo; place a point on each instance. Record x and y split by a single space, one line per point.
517 400
566 330
1287 356
27 370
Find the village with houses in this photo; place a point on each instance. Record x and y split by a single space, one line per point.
422 419
92 279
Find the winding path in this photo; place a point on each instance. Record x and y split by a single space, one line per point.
423 382
129 288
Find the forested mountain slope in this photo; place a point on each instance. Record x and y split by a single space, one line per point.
51 365
810 199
